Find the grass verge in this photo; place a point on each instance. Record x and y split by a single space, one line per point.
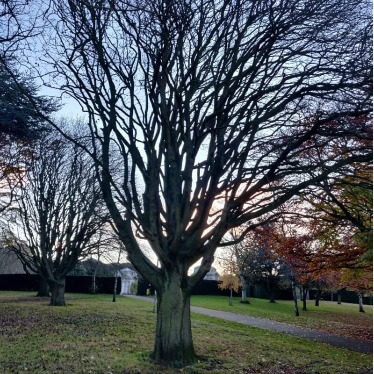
343 320
93 335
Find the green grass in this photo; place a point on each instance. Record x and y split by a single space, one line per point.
262 308
344 320
94 335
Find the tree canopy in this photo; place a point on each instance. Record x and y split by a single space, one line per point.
58 213
213 108
19 119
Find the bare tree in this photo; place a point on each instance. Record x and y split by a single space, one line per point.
107 247
18 22
58 212
259 262
212 106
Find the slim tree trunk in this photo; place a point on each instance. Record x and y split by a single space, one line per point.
93 284
318 297
115 287
305 292
270 292
339 297
230 300
173 343
244 298
116 275
245 290
297 314
360 303
43 290
58 292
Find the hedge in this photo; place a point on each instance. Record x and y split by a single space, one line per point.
83 284
74 283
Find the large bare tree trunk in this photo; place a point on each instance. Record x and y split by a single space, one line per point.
173 331
58 292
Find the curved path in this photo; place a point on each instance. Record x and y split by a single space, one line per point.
286 328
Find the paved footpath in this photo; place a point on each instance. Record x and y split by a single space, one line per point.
286 328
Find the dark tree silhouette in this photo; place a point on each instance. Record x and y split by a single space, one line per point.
20 119
58 212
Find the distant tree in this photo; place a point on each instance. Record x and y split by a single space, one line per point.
260 263
58 211
19 119
360 281
21 108
107 247
211 106
323 254
229 281
342 206
21 122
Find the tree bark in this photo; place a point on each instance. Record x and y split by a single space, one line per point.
93 284
244 298
318 297
230 300
43 290
360 303
305 292
339 297
270 292
58 292
173 331
296 307
115 287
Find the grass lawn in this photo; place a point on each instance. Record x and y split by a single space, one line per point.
94 335
344 320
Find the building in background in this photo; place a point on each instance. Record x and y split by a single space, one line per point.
211 275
